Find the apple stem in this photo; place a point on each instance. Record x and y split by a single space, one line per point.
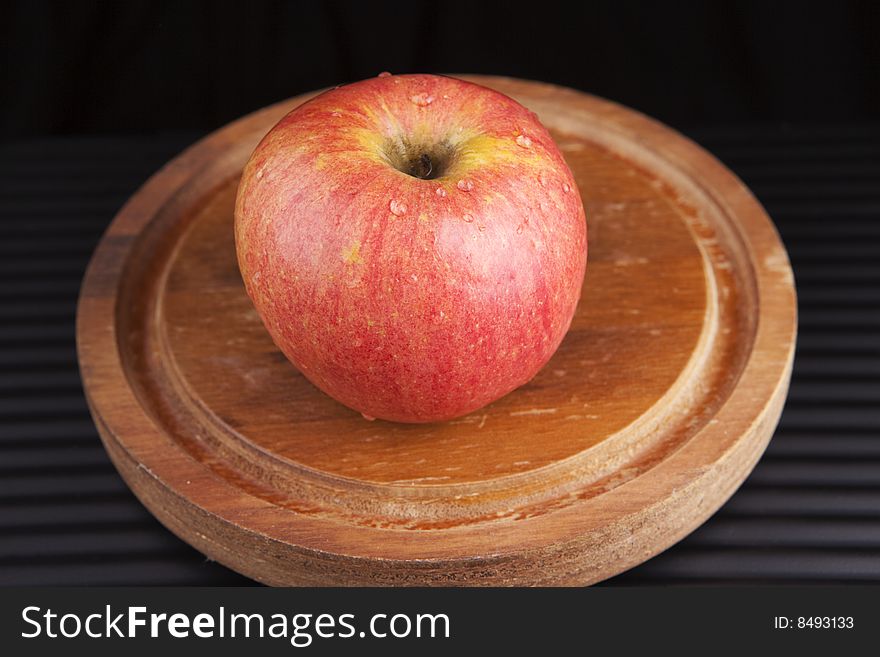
427 165
422 166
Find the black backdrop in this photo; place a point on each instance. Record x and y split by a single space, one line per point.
136 67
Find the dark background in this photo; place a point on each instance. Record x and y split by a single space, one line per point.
140 67
96 96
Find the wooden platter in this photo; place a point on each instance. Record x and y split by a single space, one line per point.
658 404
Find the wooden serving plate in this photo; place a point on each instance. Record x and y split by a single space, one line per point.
657 405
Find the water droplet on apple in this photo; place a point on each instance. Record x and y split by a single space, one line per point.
368 418
566 188
422 99
398 208
465 185
336 113
481 228
523 141
469 218
441 192
384 74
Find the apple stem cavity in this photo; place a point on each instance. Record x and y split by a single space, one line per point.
426 162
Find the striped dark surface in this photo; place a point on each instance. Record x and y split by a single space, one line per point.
810 512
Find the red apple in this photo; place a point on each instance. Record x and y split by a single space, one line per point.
414 244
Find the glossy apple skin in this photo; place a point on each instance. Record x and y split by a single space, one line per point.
410 299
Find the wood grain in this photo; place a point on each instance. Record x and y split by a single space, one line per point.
657 405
